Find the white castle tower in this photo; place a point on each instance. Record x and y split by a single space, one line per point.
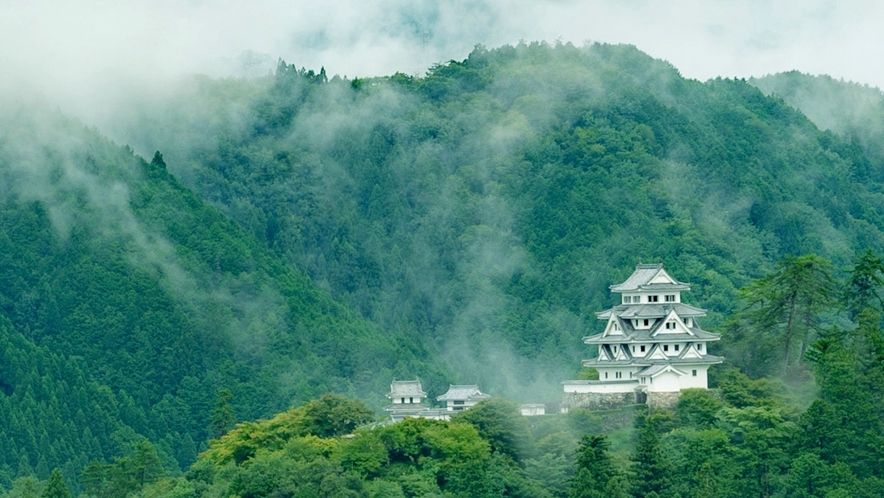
651 347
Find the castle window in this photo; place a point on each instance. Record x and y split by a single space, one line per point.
411 400
653 299
618 375
666 347
633 349
642 348
630 375
694 373
646 322
403 400
458 402
670 298
615 349
700 346
676 347
606 375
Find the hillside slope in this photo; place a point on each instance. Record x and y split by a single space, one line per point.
487 205
851 110
122 288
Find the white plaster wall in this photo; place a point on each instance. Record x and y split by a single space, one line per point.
665 382
701 380
601 387
638 353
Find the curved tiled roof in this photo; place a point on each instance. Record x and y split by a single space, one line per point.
644 336
402 388
652 310
643 275
462 392
641 362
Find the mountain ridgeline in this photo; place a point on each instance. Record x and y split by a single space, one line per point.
300 235
486 206
853 111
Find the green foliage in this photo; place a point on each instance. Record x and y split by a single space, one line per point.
416 457
109 262
55 487
126 475
342 233
222 417
500 423
699 407
595 470
651 471
786 305
333 415
484 208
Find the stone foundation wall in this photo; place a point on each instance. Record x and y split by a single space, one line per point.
599 401
612 401
663 400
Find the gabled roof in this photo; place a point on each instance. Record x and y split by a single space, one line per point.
656 370
679 330
462 393
607 353
656 353
614 328
690 353
632 335
406 388
604 353
649 277
622 353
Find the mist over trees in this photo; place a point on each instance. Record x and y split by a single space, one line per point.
487 205
299 234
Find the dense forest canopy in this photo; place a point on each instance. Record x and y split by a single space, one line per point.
299 234
487 205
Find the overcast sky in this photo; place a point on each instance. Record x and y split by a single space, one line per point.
70 47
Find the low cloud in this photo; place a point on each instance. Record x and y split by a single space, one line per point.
90 54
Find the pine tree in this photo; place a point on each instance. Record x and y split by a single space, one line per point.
865 281
789 301
222 417
55 487
595 471
144 464
651 470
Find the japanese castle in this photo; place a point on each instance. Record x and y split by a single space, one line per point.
651 347
408 400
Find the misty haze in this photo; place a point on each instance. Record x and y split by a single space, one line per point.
408 249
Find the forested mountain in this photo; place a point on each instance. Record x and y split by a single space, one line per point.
849 109
300 235
128 303
487 205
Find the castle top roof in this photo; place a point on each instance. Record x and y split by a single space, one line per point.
650 278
